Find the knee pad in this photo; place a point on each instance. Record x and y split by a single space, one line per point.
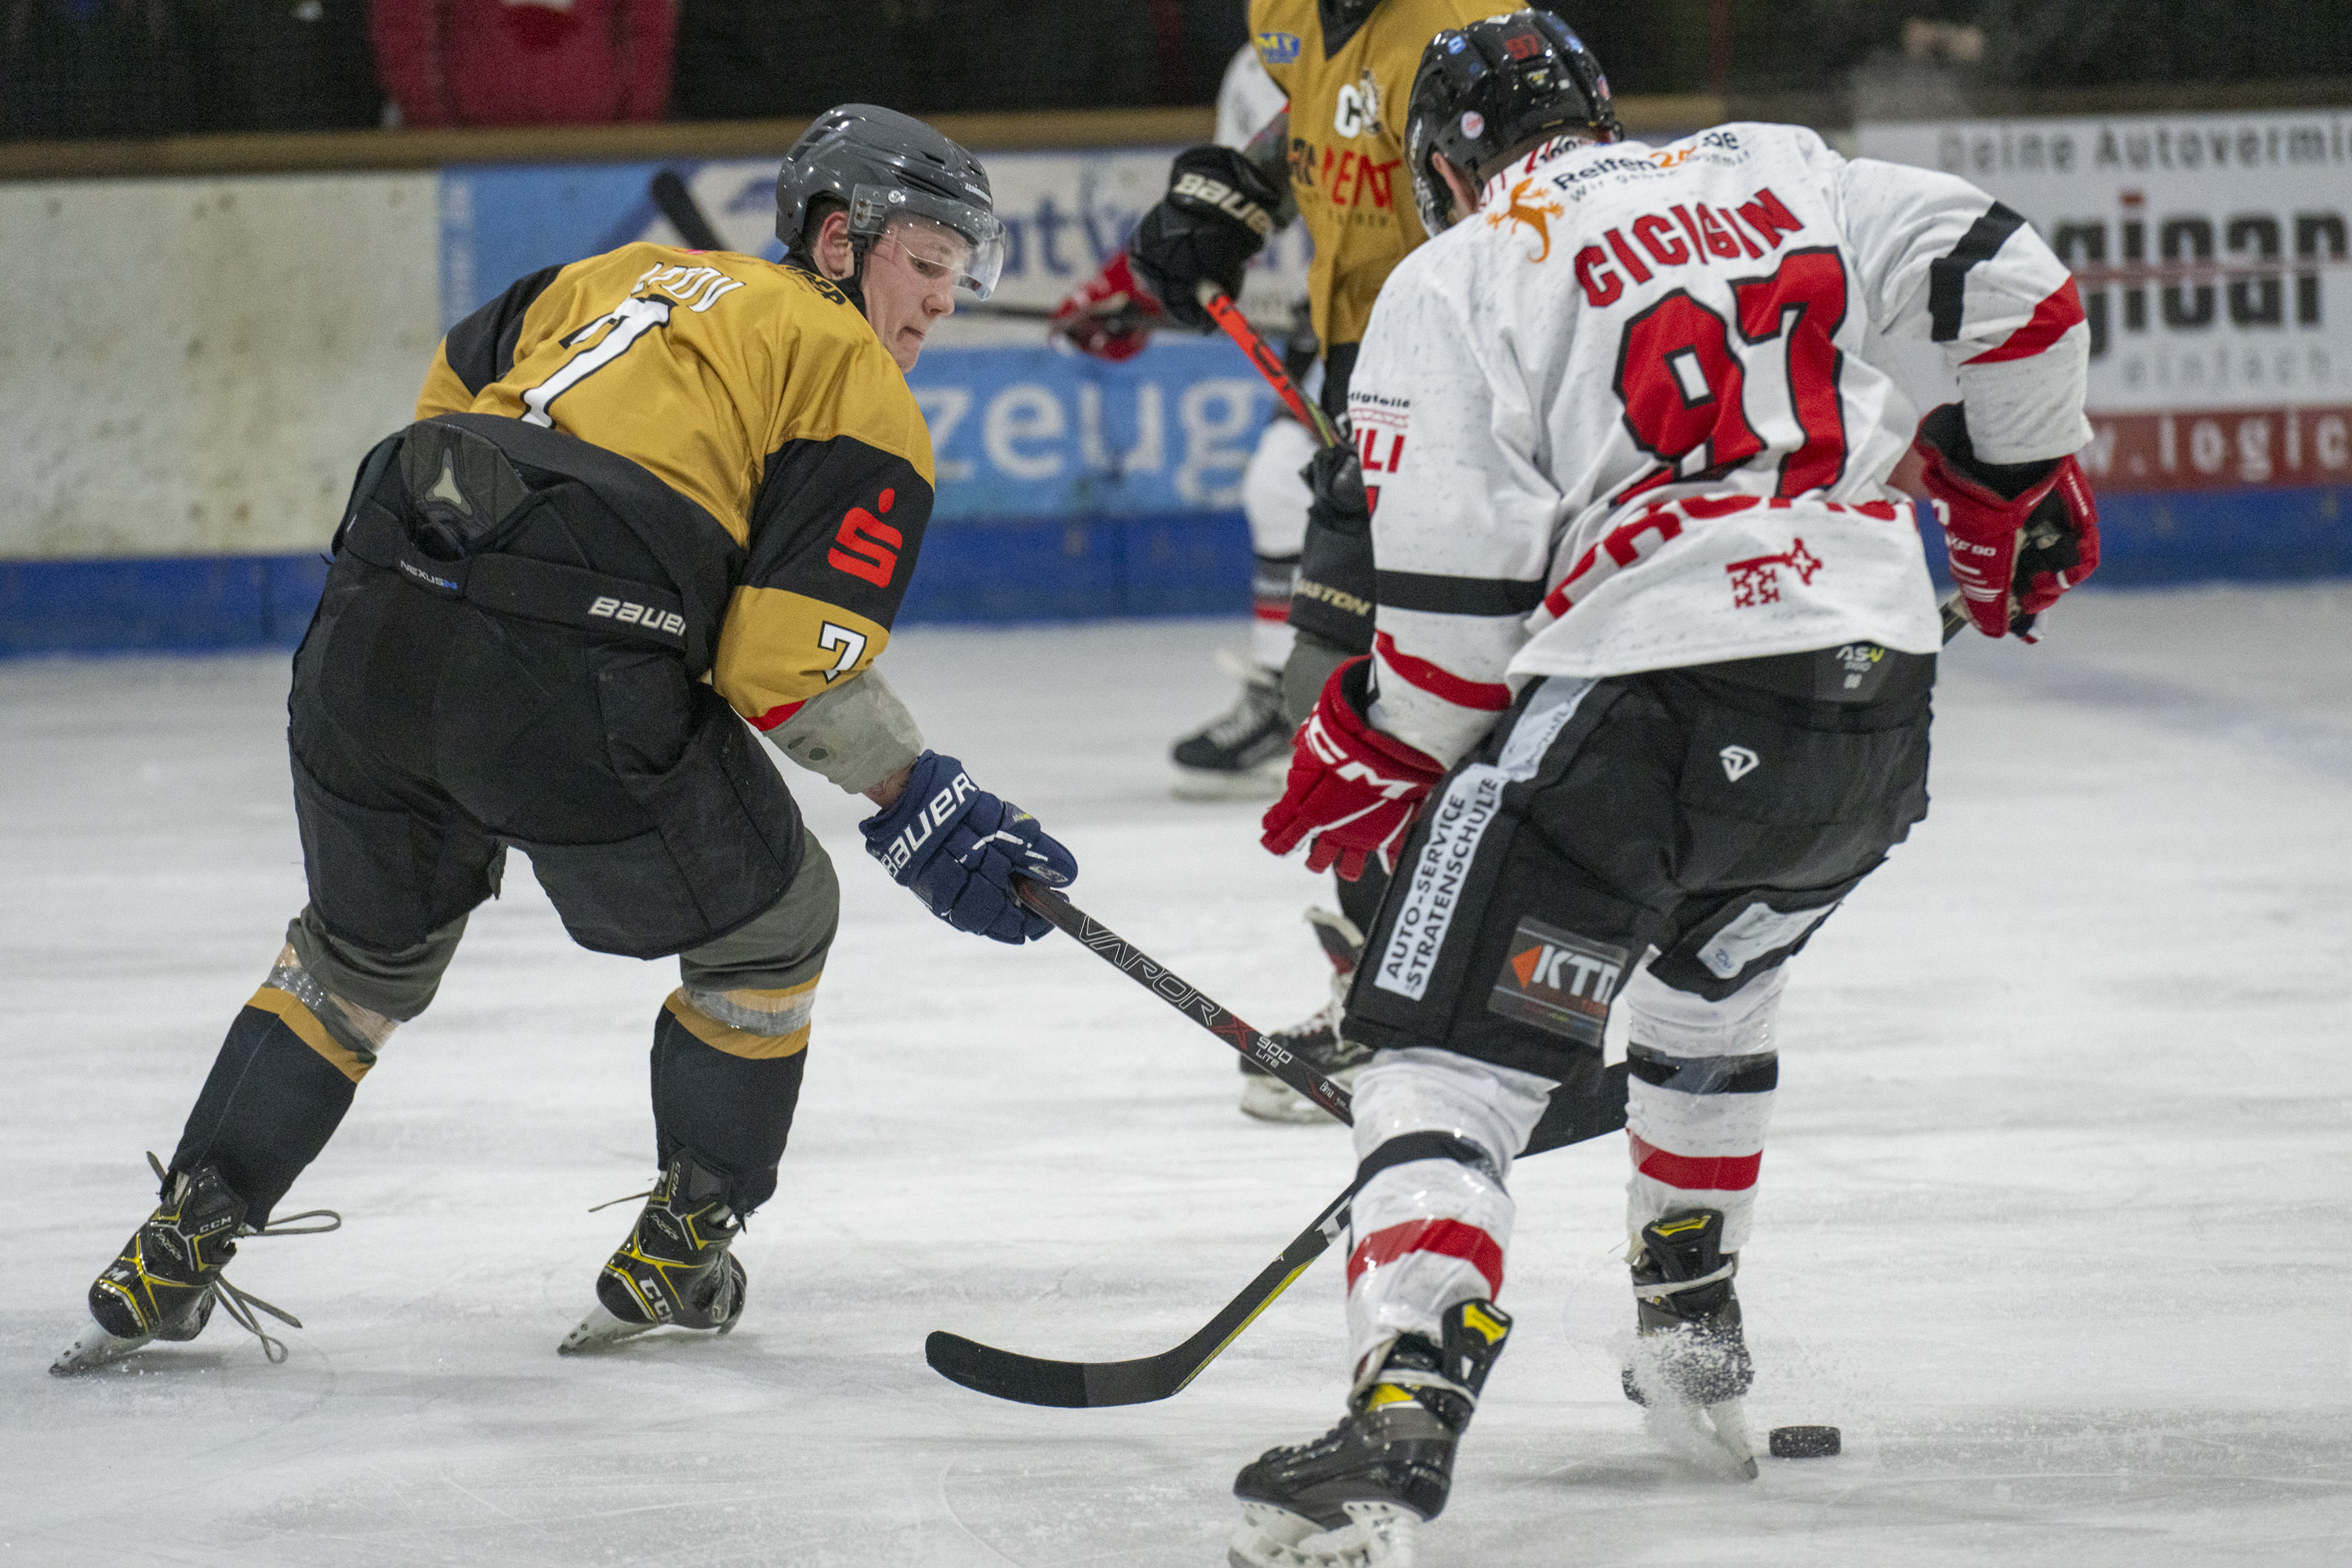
1428 1226
346 1033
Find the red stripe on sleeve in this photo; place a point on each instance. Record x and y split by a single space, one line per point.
1725 1173
1441 682
1450 1238
2052 320
775 716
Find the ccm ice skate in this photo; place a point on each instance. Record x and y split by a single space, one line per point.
1242 754
1357 1496
1690 1366
169 1275
675 1270
1314 1039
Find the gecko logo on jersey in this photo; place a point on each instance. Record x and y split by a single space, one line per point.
1756 580
1559 982
629 613
1226 200
1536 213
1729 233
865 546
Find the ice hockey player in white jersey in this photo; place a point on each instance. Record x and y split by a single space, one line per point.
1649 694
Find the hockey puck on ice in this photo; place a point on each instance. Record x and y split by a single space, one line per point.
1805 1442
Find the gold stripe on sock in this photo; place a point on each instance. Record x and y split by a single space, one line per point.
310 1031
738 1042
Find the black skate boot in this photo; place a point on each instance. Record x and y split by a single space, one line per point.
1314 1039
675 1270
1691 1355
1356 1497
169 1276
1242 754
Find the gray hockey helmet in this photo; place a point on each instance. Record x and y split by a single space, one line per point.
882 165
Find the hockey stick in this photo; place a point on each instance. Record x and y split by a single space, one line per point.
676 203
1185 997
1228 317
1074 1384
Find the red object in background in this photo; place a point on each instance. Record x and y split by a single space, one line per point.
525 62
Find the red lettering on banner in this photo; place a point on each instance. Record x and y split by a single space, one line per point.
2218 448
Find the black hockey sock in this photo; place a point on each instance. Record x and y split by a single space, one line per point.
1359 901
732 1114
268 1107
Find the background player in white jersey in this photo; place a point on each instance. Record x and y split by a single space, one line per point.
1655 647
1245 750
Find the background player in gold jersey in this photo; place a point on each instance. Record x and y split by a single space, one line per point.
1333 157
650 495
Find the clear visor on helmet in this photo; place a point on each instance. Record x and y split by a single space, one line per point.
936 232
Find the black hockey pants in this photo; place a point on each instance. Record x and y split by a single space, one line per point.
1714 813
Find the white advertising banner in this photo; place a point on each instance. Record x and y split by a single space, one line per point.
2210 250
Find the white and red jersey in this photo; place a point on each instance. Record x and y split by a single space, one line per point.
1625 416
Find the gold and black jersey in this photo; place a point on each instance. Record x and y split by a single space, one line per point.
757 392
1348 87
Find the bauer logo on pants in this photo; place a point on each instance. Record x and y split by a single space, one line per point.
1560 982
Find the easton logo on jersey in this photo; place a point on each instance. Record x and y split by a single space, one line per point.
1561 983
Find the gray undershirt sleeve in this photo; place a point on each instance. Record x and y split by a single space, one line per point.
856 734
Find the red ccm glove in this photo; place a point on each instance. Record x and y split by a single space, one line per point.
1353 791
1111 314
2019 533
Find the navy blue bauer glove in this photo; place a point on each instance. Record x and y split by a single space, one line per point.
959 847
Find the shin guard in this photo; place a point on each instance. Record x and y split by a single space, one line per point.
275 1095
725 1081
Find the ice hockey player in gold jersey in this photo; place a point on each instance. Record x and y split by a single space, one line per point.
649 496
1334 157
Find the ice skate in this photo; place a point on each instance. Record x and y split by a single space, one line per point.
1357 1496
1690 1366
1314 1039
1242 754
675 1270
164 1284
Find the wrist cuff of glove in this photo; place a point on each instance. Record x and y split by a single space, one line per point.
1347 698
1943 442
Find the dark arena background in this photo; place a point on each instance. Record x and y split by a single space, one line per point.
2055 1231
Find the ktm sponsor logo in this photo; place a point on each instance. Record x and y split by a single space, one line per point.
1580 977
865 546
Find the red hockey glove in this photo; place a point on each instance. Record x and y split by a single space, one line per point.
1111 314
2019 533
1353 791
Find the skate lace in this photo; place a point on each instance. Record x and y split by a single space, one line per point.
240 1304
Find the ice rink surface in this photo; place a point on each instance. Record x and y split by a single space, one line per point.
2054 1219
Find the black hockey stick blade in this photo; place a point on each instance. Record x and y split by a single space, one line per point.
1186 998
677 204
1084 1385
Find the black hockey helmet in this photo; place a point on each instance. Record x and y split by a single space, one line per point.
882 165
1489 89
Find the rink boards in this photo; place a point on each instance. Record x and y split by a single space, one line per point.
210 357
